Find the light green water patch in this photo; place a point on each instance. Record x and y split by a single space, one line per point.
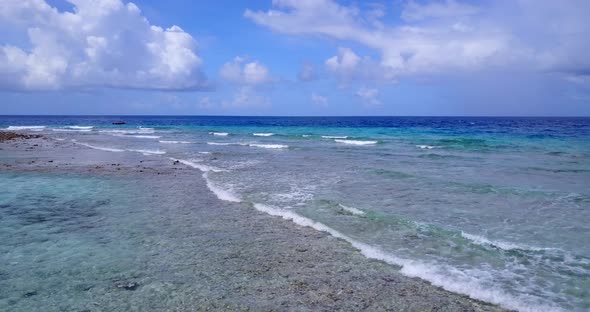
60 240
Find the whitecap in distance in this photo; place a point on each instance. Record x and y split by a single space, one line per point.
356 142
263 134
30 128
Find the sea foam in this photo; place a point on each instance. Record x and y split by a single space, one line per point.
79 127
352 210
480 240
334 136
263 134
31 128
130 131
148 152
70 130
425 146
225 143
271 146
144 136
356 142
444 276
108 149
219 133
196 165
456 281
175 142
219 192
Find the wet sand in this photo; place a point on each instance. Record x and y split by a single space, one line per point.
207 254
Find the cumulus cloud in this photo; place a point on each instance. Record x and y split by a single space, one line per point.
346 65
444 36
369 96
246 73
103 43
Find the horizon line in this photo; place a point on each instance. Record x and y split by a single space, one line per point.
295 116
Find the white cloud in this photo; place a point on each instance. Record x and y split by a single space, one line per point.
247 97
240 72
347 66
344 63
319 99
103 43
445 36
369 96
450 8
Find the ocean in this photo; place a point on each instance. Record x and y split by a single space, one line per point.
494 208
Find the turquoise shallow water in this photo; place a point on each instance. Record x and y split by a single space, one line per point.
497 209
59 239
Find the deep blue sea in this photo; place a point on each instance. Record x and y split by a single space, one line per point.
494 208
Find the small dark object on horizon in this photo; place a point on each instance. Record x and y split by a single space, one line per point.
118 123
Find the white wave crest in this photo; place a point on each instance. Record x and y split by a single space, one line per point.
334 136
148 152
225 143
425 146
439 275
352 210
219 133
196 165
138 131
31 128
263 134
356 142
175 142
222 194
480 240
79 127
444 276
70 130
142 136
108 149
271 146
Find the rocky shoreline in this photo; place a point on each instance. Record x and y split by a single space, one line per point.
223 256
9 136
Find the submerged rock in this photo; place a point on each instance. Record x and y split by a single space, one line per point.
126 285
30 294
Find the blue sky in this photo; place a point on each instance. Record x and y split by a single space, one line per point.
287 57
